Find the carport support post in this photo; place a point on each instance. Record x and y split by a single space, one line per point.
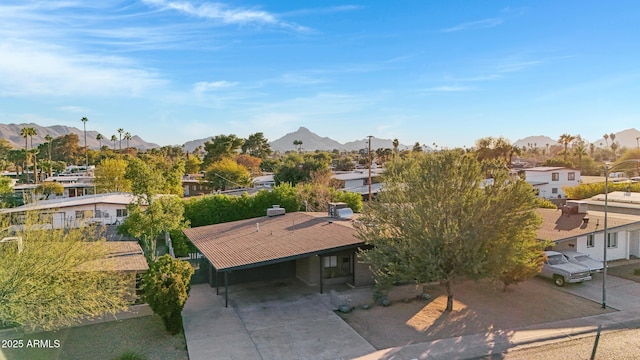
226 289
321 275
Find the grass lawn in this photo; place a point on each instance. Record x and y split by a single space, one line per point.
145 336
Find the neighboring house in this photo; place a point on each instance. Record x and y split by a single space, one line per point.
125 257
194 185
549 181
73 185
264 181
358 181
313 247
104 209
573 228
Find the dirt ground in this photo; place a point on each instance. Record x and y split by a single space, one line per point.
478 308
625 271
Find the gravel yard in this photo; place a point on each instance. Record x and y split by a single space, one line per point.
478 308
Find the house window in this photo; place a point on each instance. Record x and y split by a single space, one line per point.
590 241
330 261
121 212
554 190
571 176
84 214
612 240
555 176
98 213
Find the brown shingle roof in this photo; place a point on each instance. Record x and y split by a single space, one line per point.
556 226
242 244
124 256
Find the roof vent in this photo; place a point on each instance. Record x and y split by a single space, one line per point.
340 210
276 210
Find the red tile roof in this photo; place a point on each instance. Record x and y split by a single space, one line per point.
264 240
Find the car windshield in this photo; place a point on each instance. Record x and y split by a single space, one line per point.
582 258
557 259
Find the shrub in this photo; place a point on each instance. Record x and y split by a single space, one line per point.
636 272
166 288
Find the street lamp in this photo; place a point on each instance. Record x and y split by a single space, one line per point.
607 168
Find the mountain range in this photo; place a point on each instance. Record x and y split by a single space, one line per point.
11 132
310 141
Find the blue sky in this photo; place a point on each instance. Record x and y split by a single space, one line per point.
444 72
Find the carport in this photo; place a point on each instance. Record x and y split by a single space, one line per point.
311 246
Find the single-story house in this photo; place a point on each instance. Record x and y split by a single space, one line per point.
358 181
314 247
575 229
103 209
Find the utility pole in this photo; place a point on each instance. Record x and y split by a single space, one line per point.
370 161
86 148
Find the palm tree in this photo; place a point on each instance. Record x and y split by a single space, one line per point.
127 136
580 150
32 133
24 132
120 131
612 136
396 145
606 139
114 139
99 137
298 143
49 139
86 148
566 139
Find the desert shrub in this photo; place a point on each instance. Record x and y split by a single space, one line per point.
166 289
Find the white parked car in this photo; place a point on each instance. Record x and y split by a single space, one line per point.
584 259
558 268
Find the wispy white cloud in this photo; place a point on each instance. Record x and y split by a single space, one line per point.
204 86
226 14
479 24
73 109
35 68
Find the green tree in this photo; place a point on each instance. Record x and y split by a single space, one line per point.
110 176
57 279
50 187
227 174
114 139
192 165
297 168
298 144
163 214
6 192
257 145
439 220
146 182
166 289
220 147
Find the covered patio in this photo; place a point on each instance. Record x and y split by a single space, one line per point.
313 247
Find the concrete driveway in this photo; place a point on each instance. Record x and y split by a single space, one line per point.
271 321
621 294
